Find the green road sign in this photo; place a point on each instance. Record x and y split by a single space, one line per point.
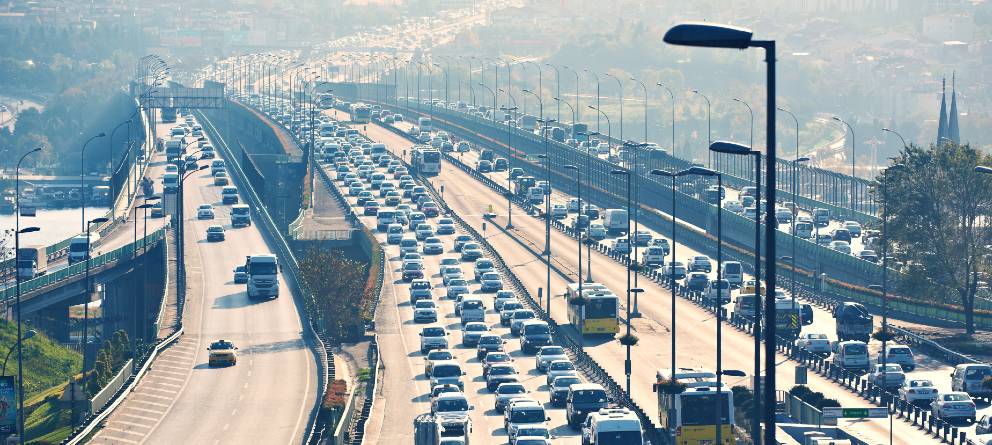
855 413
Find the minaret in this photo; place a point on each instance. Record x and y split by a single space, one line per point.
953 133
942 123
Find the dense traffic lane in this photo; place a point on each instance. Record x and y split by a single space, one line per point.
695 330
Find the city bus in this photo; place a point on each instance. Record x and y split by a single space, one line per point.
168 115
325 101
361 113
689 416
426 161
598 316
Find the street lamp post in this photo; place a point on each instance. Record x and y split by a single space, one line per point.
545 124
854 141
493 114
711 35
111 146
17 280
636 209
709 127
82 171
672 95
750 112
627 364
609 128
509 167
889 130
620 94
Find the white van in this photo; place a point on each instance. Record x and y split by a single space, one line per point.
969 378
653 256
733 273
851 355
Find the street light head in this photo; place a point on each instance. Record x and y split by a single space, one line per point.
836 119
527 91
542 156
36 149
101 135
694 91
98 220
592 107
708 35
659 172
618 172
983 169
29 230
570 167
636 290
697 170
730 148
145 206
802 159
733 373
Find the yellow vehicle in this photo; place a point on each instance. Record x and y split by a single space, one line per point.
690 415
222 352
598 316
748 287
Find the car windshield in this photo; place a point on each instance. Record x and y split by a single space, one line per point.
221 345
493 340
529 415
433 332
562 366
523 315
501 370
413 266
439 355
817 336
446 371
511 389
956 398
512 306
855 349
920 383
472 304
891 368
531 432
497 357
457 282
552 350
476 327
589 396
565 382
489 276
698 409
977 372
425 304
536 329
453 404
484 264
899 351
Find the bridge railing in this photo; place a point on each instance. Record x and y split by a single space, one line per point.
125 252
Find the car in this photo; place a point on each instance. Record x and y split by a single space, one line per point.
841 235
408 245
900 355
920 392
717 287
984 425
621 246
222 352
823 239
229 195
483 266
484 166
215 233
733 206
365 196
205 211
597 231
413 270
558 388
502 297
533 335
642 238
582 400
424 311
157 210
240 275
463 147
494 358
499 374
437 390
445 226
461 241
674 270
220 178
559 211
424 231
456 287
491 282
853 227
507 391
868 255
451 402
889 376
436 355
558 368
472 332
518 318
700 263
841 246
500 164
355 188
488 343
447 371
371 208
548 354
433 245
953 405
516 172
696 281
433 337
815 343
392 199
450 272
471 252
523 413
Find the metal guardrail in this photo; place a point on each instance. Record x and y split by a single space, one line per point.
269 229
357 429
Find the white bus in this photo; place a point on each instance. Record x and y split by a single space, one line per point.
361 113
426 161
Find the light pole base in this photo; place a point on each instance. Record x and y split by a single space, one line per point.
635 314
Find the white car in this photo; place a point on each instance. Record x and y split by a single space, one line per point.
205 211
548 354
597 231
424 311
573 205
621 246
888 376
853 227
456 287
953 405
918 392
558 368
558 211
733 206
841 246
815 343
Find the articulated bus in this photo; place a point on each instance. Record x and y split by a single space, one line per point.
598 316
426 161
690 416
361 113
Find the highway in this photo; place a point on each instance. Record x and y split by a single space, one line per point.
695 332
182 400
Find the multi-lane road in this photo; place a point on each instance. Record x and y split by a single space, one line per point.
267 396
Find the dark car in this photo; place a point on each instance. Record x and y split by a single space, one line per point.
240 275
413 271
583 399
500 165
488 343
215 233
498 374
841 235
515 172
697 281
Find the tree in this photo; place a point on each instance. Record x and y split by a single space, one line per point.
337 285
935 205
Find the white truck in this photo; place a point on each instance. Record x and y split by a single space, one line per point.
80 246
442 429
263 275
32 261
616 221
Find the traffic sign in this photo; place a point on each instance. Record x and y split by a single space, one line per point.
855 413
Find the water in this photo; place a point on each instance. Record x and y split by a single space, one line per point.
55 224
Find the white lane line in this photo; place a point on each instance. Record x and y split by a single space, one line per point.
165 377
154 396
145 410
140 417
165 391
146 402
169 384
132 424
119 439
